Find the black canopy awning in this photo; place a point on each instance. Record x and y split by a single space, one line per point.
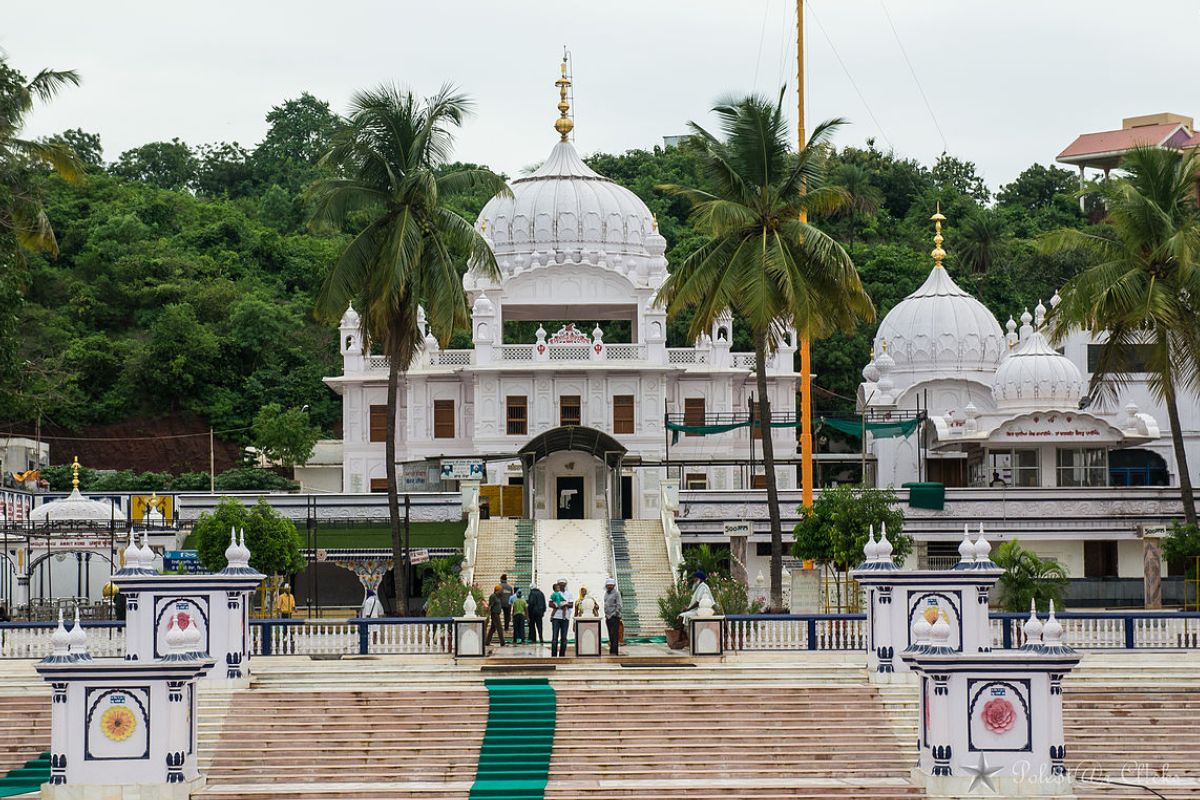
573 437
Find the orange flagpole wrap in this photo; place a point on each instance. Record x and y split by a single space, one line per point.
806 442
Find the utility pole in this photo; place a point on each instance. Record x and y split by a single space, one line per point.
212 463
806 442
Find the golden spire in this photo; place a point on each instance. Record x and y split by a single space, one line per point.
75 474
563 124
938 253
654 221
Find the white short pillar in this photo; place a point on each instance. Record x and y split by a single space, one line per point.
587 637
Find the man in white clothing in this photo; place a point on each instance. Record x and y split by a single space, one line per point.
700 591
371 609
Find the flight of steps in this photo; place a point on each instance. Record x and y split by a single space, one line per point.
650 571
24 729
347 743
575 549
739 742
495 554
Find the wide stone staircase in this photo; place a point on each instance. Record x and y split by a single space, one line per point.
574 549
496 552
650 571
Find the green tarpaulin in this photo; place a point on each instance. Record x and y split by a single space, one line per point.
853 426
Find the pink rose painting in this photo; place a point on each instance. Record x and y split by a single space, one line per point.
999 715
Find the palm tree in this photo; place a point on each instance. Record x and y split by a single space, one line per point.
1143 286
761 259
22 216
864 198
982 240
384 170
1028 578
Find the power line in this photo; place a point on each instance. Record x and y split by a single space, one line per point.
762 35
913 72
205 434
849 77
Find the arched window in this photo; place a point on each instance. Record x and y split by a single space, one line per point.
1136 466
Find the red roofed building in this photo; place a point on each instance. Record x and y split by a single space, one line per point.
1105 149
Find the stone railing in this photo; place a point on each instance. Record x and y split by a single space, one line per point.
451 358
1110 630
743 360
391 635
687 355
32 639
1133 630
796 632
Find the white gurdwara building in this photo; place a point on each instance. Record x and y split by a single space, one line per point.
576 420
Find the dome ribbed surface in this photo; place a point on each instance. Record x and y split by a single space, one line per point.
76 508
940 327
1035 375
566 206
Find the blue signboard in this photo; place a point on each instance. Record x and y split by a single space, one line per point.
186 560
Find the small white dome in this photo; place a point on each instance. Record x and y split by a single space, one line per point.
483 305
350 319
1035 375
566 212
76 508
941 328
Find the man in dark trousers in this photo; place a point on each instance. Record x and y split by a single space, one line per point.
495 602
507 590
613 608
536 610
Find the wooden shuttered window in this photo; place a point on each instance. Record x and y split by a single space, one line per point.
378 424
517 415
570 410
622 406
443 419
693 412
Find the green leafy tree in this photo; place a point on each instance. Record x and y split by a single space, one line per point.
224 168
760 258
286 436
86 146
167 165
407 253
272 539
959 176
1028 577
1181 545
300 132
703 557
249 479
834 531
1142 285
180 356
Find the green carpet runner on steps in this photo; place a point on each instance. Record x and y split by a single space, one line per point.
514 761
522 574
624 576
26 779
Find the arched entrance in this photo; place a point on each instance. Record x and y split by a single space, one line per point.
572 472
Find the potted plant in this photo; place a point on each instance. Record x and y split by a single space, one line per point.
670 606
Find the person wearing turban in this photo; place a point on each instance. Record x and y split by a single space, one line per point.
700 591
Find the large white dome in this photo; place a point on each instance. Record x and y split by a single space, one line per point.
565 212
1036 376
77 508
941 328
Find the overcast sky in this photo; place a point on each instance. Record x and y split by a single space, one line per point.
1009 83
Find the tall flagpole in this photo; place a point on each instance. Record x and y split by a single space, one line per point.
806 443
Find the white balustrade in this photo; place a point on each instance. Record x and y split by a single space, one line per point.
377 362
570 352
452 358
35 642
516 352
743 360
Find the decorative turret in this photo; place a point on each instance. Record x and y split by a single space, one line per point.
599 351
884 386
483 328
237 556
350 340
1032 630
78 641
60 642
1052 636
1011 337
1026 324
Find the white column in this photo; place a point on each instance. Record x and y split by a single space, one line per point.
177 730
59 734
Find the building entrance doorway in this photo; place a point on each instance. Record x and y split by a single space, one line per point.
569 496
626 497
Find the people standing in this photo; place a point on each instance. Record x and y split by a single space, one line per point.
371 607
507 591
562 602
496 606
520 610
537 609
285 604
613 608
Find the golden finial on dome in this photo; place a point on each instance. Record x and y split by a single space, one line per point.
654 221
564 125
938 253
75 474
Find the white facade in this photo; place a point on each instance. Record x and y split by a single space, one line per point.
570 244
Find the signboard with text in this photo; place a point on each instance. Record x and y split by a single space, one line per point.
1060 426
461 469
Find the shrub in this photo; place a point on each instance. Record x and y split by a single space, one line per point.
273 540
251 479
447 598
672 604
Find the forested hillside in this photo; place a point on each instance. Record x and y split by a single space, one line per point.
185 276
